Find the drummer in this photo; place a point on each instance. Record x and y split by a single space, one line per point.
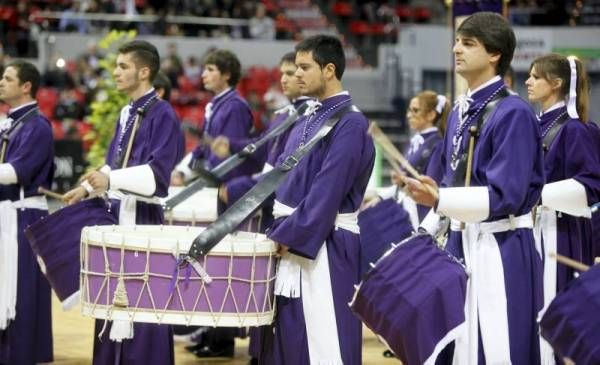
26 163
227 114
157 146
316 220
504 288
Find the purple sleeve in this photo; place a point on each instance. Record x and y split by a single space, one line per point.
32 153
313 220
515 161
166 146
238 186
435 167
582 160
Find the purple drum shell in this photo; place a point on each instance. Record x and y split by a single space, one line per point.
215 296
571 324
56 239
413 297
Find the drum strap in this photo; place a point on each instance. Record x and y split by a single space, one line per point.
254 198
209 178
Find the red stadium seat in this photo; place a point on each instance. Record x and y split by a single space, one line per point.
342 9
47 99
359 28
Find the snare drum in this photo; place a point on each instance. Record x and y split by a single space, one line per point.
199 210
413 298
140 264
55 240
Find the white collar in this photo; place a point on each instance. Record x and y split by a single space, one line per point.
484 85
428 130
560 104
222 93
22 106
344 92
146 93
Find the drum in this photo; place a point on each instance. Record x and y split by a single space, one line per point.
132 273
413 298
380 226
571 323
55 240
199 210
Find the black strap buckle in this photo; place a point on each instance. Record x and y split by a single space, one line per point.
289 163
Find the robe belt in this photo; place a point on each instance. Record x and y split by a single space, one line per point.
127 209
313 276
545 232
9 252
486 302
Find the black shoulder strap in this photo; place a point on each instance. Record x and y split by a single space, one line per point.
553 132
253 199
489 108
142 113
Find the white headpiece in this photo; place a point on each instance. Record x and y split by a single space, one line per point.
572 99
441 101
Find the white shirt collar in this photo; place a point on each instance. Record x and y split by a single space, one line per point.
484 85
22 106
222 93
428 130
344 92
560 104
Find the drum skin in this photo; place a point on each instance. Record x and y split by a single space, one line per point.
413 298
158 290
55 239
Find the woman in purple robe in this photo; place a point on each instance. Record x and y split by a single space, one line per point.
27 163
495 238
157 146
572 166
316 221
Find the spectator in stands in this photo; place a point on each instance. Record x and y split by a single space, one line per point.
172 65
70 24
261 25
192 70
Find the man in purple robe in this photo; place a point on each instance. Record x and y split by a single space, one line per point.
157 146
26 163
315 224
497 244
229 115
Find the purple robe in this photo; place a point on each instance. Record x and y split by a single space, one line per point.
331 179
573 154
158 143
508 160
28 338
230 116
595 131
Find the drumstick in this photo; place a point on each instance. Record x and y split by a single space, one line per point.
50 193
392 151
472 132
131 138
574 264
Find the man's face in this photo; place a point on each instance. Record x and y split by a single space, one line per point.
311 81
213 79
470 56
126 74
289 83
11 89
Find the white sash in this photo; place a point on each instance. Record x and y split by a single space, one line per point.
545 230
313 277
9 253
127 209
485 305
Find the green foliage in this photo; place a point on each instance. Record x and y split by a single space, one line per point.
108 103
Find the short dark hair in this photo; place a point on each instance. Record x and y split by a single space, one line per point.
494 32
27 72
227 63
325 50
144 54
289 57
161 81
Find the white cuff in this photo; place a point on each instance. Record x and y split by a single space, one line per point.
387 192
567 196
466 204
105 170
8 175
431 223
137 179
184 168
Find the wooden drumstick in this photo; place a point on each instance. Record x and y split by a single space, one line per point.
136 123
574 264
391 150
472 132
50 193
